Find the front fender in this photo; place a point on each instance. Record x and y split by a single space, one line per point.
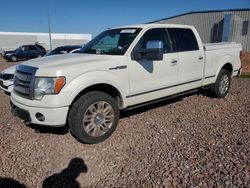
96 77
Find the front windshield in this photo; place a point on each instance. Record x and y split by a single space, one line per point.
111 42
56 51
19 48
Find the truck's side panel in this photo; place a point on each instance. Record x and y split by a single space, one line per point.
217 58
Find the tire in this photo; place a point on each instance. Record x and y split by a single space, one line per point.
222 85
93 117
13 58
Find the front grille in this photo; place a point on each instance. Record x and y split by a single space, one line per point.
24 81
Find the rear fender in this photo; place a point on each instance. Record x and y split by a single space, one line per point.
223 61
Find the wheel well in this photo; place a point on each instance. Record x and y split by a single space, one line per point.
228 67
106 88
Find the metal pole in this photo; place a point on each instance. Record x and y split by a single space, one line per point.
49 28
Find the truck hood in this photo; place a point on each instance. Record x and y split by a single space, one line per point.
9 52
57 61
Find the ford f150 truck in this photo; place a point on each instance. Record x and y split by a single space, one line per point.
120 68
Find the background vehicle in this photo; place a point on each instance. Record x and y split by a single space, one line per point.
25 52
64 50
6 76
6 79
120 69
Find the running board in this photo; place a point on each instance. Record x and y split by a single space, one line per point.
161 99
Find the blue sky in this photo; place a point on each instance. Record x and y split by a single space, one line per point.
93 16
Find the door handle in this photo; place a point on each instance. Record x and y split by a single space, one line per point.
174 61
200 58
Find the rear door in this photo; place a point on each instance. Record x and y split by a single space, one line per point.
32 51
190 57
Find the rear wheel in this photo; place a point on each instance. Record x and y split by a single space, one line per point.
93 117
221 87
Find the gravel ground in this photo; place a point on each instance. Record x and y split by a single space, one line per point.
194 141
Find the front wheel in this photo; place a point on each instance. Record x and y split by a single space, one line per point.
13 58
221 87
93 117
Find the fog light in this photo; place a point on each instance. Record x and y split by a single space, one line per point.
40 117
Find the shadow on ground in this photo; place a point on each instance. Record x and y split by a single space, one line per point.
9 183
163 102
46 129
66 178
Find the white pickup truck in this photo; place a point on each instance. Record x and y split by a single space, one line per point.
122 67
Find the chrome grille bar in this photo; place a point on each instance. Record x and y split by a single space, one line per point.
24 81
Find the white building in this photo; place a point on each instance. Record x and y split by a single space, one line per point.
11 40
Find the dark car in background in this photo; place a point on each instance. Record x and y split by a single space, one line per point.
7 75
64 50
25 52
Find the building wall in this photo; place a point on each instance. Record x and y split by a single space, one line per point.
210 25
12 40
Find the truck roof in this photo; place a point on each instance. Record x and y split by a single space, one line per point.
155 25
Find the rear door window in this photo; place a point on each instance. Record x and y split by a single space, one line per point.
27 48
185 39
32 48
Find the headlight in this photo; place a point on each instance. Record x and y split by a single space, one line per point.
48 86
7 54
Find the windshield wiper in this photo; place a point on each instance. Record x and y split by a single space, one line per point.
93 51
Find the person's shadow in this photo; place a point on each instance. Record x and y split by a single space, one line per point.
9 183
67 177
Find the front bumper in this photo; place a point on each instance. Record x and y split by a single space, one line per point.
55 117
6 57
22 114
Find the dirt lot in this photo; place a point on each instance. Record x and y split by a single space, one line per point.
246 62
194 141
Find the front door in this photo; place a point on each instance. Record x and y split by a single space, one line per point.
153 79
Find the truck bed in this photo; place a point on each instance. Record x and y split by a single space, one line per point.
221 45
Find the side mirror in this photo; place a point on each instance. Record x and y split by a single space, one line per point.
154 44
152 52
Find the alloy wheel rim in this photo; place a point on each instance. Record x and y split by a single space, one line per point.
13 58
224 84
98 118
